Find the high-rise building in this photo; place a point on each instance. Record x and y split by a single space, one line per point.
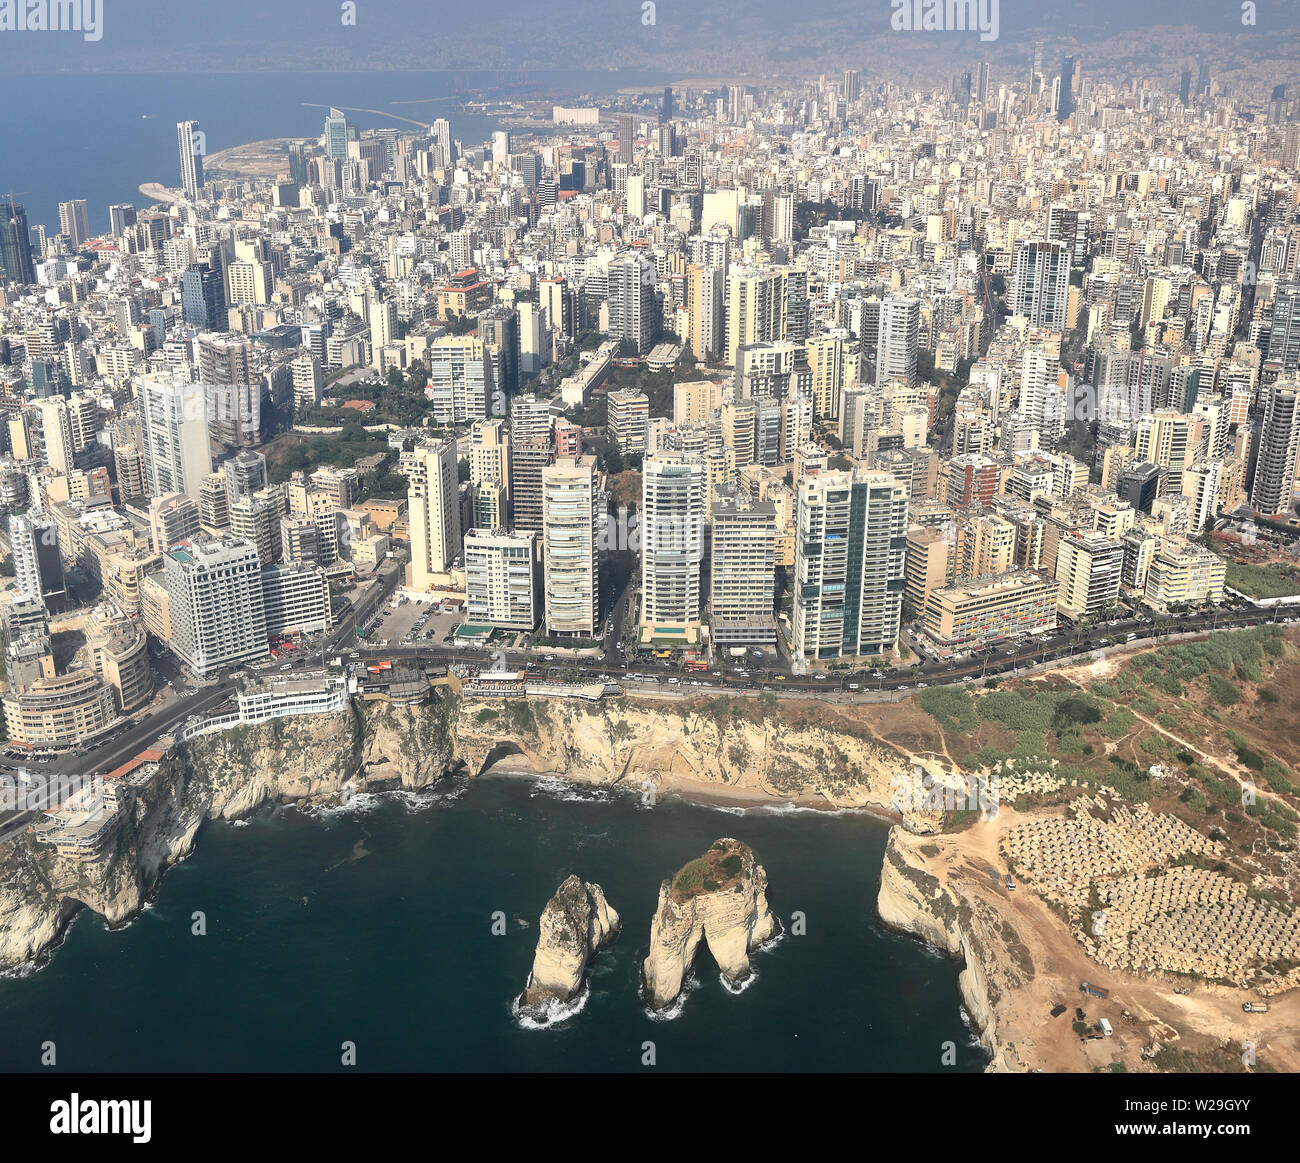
177 450
1065 98
338 132
461 382
1279 444
850 546
121 217
1040 282
633 305
850 86
502 579
896 349
1284 333
38 565
531 450
756 303
674 491
626 136
1089 568
16 244
74 221
203 297
218 614
1139 485
433 498
188 144
742 565
245 474
571 548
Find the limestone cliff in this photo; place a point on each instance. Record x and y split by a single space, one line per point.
797 750
221 776
732 746
944 914
576 923
720 898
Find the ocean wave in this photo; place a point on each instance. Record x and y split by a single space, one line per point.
240 823
738 987
550 1013
673 1010
773 941
970 1027
566 791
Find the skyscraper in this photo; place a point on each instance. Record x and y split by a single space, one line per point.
1065 104
571 547
74 221
900 324
632 303
177 451
666 109
121 217
16 244
851 85
218 613
434 507
38 566
1040 282
188 145
203 298
1278 447
626 136
850 544
338 132
674 499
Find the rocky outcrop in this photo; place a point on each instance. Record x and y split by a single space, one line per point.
805 751
576 923
721 898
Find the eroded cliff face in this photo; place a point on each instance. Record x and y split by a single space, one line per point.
221 776
796 751
576 924
807 751
721 898
943 914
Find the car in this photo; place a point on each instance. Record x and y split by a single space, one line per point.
354 654
287 666
922 685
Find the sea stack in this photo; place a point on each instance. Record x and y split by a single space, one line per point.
722 898
576 923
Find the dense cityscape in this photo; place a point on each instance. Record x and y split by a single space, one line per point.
829 392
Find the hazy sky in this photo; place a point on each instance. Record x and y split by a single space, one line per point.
205 33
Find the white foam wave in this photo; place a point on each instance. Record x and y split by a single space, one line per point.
550 1013
673 1010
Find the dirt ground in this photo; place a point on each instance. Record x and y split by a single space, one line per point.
1208 1021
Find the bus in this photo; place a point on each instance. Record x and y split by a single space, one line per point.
696 664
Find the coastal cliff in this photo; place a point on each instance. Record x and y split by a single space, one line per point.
227 775
721 898
576 924
734 748
945 914
739 748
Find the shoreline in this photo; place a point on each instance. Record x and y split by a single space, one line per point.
700 794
